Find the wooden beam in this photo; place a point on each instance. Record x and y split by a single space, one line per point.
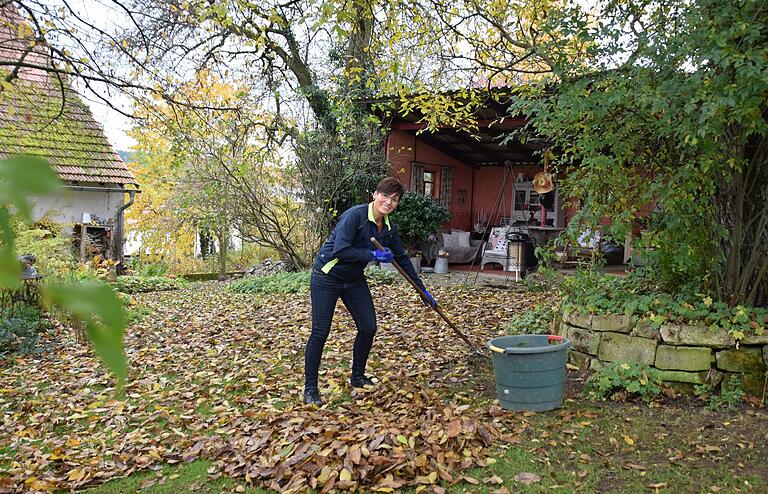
83 237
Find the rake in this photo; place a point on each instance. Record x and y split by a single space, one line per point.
437 309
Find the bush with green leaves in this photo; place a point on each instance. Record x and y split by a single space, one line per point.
297 282
138 284
731 395
249 255
53 252
692 91
593 292
148 269
417 217
536 320
544 279
377 276
20 329
619 380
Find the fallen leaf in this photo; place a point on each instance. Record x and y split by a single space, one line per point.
527 478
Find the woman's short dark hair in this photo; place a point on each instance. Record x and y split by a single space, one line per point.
389 186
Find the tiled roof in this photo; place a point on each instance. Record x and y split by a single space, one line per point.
42 116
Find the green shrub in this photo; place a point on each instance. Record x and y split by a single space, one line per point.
53 252
593 292
417 217
152 269
296 282
731 395
536 320
273 283
249 255
80 273
619 380
20 329
136 284
377 276
544 279
136 313
186 265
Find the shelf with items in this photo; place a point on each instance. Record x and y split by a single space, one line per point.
527 205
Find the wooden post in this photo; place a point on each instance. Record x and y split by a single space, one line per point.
83 236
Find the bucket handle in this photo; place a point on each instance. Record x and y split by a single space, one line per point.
550 339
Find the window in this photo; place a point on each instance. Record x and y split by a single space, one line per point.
429 184
426 183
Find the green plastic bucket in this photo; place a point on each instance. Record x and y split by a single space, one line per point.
530 371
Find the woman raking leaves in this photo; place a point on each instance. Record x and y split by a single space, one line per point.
338 274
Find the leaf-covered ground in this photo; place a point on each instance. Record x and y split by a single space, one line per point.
217 376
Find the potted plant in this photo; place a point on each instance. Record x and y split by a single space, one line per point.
417 217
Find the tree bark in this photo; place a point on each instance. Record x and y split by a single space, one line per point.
223 245
742 205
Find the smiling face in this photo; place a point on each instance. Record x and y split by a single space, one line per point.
384 204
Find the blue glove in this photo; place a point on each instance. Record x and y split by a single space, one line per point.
382 255
429 300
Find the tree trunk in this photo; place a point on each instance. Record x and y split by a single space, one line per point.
743 209
223 244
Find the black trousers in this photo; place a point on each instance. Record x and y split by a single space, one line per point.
325 291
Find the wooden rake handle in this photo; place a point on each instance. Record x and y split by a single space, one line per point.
423 295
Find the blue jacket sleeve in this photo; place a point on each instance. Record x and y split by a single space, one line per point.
404 260
344 248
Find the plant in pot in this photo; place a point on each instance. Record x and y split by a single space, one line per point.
417 217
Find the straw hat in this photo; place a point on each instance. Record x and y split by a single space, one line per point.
542 182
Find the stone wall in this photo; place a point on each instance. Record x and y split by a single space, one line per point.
684 355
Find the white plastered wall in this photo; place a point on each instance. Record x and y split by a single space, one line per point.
67 206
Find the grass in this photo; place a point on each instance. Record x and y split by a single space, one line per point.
666 454
174 479
137 313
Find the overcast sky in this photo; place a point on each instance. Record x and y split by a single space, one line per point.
115 125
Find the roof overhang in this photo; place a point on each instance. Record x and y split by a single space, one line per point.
488 140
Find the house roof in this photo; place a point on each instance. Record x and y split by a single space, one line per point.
489 144
41 115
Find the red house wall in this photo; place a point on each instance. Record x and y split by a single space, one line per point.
488 182
404 148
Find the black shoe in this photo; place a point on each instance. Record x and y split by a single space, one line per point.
312 397
360 382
